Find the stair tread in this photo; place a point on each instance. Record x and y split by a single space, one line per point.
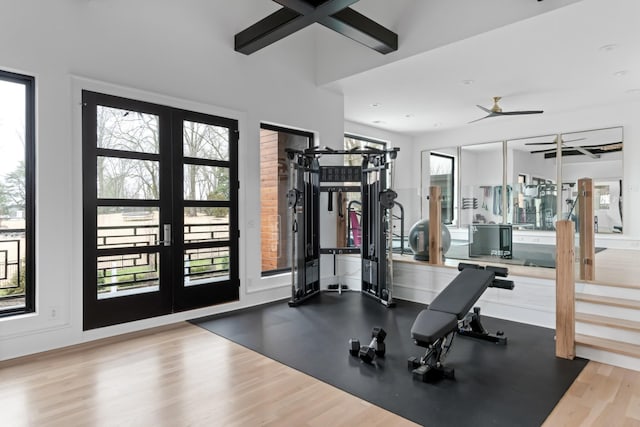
608 321
611 284
599 299
613 346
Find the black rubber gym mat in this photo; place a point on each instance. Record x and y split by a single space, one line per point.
513 385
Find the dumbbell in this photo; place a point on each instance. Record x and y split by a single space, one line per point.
375 348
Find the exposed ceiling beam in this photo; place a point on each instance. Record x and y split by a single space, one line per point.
298 14
365 31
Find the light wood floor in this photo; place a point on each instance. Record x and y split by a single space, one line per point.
176 377
185 375
602 395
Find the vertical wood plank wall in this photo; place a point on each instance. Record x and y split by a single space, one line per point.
269 199
586 226
565 290
435 222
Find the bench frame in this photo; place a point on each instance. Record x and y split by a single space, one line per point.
431 364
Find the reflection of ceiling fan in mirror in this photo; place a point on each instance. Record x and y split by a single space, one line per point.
496 111
592 151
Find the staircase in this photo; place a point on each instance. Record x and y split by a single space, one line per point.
608 323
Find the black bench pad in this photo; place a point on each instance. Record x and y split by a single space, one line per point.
431 325
462 293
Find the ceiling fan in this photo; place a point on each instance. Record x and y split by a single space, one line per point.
565 148
496 111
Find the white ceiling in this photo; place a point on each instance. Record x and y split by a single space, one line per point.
554 61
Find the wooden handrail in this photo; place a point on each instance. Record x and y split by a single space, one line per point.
565 290
586 225
435 224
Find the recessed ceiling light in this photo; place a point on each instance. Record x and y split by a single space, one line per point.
620 73
608 47
375 104
378 121
467 82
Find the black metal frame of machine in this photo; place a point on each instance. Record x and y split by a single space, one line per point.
306 177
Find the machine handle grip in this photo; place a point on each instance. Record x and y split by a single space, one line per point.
502 284
498 271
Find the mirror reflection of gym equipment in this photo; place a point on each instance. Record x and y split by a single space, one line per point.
526 184
307 180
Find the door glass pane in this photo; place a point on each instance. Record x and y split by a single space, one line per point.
127 178
206 224
130 274
206 182
205 141
120 227
206 265
127 130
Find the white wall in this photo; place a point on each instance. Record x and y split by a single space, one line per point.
537 166
422 26
159 51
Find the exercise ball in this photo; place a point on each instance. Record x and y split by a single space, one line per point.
419 240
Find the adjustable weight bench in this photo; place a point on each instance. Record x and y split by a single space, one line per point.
448 315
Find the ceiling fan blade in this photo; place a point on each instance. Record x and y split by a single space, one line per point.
540 143
564 141
553 142
548 150
481 118
497 111
486 110
517 113
586 152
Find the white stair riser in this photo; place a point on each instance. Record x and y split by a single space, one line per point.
616 334
609 291
608 357
608 311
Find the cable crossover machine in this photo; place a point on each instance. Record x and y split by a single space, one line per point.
307 179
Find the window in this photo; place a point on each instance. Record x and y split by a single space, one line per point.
352 201
274 177
17 163
602 198
353 141
441 169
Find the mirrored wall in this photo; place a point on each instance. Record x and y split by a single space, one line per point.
595 154
516 189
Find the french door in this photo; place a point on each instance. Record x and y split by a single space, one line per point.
159 210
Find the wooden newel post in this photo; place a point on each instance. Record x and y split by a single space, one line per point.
565 290
586 224
435 224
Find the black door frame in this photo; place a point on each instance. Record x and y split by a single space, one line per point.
187 298
172 296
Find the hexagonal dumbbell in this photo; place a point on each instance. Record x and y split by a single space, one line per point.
354 346
375 348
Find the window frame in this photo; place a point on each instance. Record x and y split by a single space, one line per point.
311 138
451 203
30 213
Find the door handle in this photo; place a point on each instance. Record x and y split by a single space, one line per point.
166 233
